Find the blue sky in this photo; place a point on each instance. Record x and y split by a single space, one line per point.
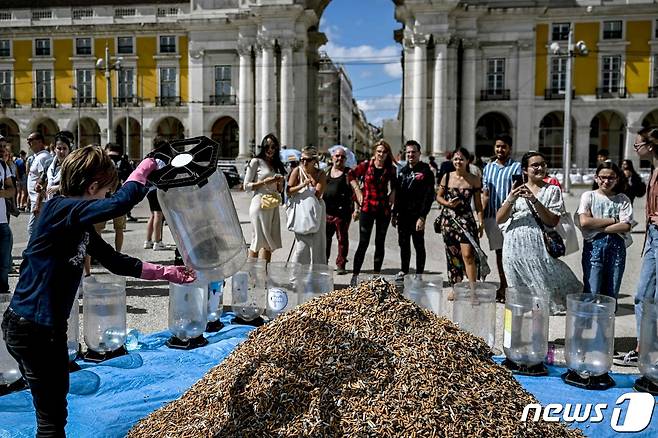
360 35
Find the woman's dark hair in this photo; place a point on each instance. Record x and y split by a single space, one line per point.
464 153
621 178
630 166
64 139
275 163
527 156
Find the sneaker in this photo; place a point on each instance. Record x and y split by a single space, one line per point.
354 280
400 276
148 244
629 359
159 246
131 219
341 270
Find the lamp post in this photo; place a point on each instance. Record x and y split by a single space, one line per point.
580 49
104 64
77 102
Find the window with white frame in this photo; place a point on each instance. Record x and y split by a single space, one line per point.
611 73
82 13
168 44
560 31
84 84
613 30
5 48
558 74
126 84
5 84
168 82
495 74
42 47
222 80
42 14
5 16
44 89
83 46
125 45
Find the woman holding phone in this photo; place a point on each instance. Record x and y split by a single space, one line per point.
456 189
525 258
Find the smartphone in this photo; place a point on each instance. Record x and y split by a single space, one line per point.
517 180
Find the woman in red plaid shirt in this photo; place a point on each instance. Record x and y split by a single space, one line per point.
373 182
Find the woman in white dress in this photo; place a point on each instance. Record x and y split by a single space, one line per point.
525 258
264 177
62 149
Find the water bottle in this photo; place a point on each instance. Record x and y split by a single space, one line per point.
132 339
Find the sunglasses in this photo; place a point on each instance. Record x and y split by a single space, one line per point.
342 157
637 146
307 160
538 165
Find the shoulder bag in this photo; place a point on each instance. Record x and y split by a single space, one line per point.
552 239
303 210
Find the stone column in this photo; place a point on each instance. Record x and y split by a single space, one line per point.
407 95
469 95
268 91
419 86
287 94
196 92
440 96
580 145
258 95
631 132
450 115
525 95
300 109
245 101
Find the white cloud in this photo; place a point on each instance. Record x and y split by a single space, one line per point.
387 57
379 108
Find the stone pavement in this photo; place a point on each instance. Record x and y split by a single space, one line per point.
148 301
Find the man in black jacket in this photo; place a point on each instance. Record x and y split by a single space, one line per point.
414 195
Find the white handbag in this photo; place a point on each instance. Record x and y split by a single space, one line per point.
303 211
566 228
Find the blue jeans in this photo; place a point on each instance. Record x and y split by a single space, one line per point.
646 286
604 261
6 242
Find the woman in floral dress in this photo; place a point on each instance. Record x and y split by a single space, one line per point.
456 189
525 257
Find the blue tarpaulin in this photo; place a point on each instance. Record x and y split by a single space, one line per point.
106 399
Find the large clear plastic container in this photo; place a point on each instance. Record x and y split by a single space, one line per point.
249 290
525 335
316 280
104 312
205 226
73 329
9 372
282 281
648 360
188 310
474 309
590 334
425 291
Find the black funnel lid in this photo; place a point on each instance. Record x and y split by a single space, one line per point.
188 162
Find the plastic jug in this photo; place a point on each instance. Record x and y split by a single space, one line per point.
282 290
316 280
589 340
197 204
188 310
249 290
474 309
73 329
104 313
525 335
9 372
425 291
648 360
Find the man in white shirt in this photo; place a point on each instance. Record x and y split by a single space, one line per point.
6 238
35 176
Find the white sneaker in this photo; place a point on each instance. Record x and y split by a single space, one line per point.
148 244
400 276
159 246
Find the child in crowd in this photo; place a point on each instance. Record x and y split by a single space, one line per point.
606 217
34 326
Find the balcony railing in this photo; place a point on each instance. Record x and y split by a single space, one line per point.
7 102
84 102
653 91
611 93
44 102
499 94
126 101
557 94
168 101
223 99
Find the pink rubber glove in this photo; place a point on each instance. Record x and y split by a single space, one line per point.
173 274
143 170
